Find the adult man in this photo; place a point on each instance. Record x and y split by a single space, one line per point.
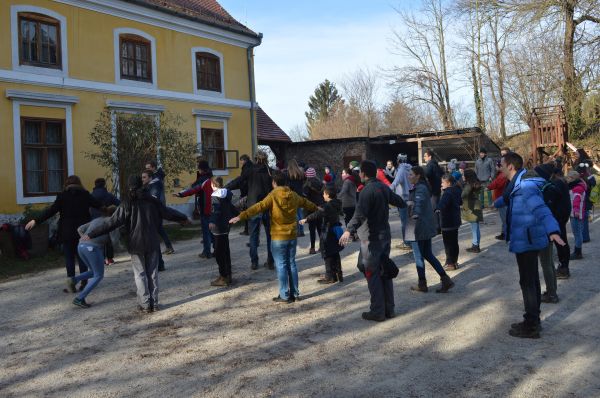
401 187
258 181
529 225
370 222
283 204
486 171
242 184
203 190
434 173
157 189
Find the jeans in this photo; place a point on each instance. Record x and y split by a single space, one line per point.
300 216
145 272
585 233
403 213
529 279
206 235
577 227
372 255
451 246
70 251
333 266
547 263
436 217
476 233
284 254
484 185
254 235
223 255
502 215
93 257
165 237
423 252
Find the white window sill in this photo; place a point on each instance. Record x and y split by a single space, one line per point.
40 70
135 83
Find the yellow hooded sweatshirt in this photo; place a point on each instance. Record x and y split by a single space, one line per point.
283 204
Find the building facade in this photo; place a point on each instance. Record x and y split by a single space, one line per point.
63 62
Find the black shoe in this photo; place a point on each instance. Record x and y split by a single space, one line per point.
278 299
587 241
326 281
562 273
576 255
447 284
522 325
390 315
254 266
474 249
244 233
169 250
81 303
312 251
145 310
525 332
161 268
204 255
369 316
500 237
547 298
270 265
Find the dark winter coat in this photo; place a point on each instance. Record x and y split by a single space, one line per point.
73 204
295 184
222 211
347 194
557 198
471 206
241 182
449 207
330 216
156 187
105 198
434 173
420 196
313 190
141 217
258 181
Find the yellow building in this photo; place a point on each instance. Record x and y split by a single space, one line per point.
62 62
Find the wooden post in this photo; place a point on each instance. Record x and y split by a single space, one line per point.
420 151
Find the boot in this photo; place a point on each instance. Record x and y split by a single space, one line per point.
326 281
421 287
474 249
270 265
451 267
576 255
447 284
562 272
220 281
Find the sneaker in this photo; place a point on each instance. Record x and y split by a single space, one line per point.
369 316
71 286
109 261
562 273
169 250
312 251
451 267
474 249
500 237
254 266
551 299
326 281
81 303
525 332
278 299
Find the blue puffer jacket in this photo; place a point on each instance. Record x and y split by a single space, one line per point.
529 221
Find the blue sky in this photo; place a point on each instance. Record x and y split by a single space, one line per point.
306 42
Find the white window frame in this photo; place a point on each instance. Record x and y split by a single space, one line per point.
17 103
213 116
14 32
117 54
220 94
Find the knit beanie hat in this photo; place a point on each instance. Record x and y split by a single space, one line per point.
354 164
452 165
462 165
310 172
544 170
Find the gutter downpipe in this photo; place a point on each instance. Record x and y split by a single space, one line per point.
251 89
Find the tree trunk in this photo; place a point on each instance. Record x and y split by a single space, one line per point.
572 90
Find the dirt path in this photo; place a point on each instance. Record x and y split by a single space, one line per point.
210 342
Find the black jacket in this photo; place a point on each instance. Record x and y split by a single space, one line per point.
449 207
296 185
371 216
558 199
434 173
73 204
330 216
105 198
313 190
222 211
257 180
141 217
241 182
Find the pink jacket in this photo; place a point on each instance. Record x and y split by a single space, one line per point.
578 200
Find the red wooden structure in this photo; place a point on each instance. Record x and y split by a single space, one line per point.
548 132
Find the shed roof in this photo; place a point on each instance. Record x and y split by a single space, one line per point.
268 130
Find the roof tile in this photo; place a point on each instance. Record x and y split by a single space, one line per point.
267 129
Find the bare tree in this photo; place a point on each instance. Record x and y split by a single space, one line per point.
423 43
360 90
298 133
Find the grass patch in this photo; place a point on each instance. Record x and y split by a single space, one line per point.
177 232
12 267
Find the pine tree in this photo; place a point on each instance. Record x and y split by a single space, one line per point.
322 103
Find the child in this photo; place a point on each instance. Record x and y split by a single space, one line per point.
449 209
313 189
471 209
222 211
577 190
91 253
329 246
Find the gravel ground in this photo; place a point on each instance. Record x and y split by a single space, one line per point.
213 342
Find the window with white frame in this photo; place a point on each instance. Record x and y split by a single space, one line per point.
207 71
135 58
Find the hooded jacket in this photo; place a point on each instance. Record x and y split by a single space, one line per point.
449 207
330 216
420 197
258 181
283 203
577 190
529 222
141 216
347 194
401 185
73 204
222 211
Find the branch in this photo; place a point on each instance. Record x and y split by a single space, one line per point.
586 17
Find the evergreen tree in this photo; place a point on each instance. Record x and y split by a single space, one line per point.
322 103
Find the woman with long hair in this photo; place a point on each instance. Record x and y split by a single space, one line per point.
471 208
421 212
295 180
73 204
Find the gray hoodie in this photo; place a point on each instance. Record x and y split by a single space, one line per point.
401 186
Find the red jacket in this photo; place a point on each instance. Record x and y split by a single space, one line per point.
381 177
497 186
577 192
204 192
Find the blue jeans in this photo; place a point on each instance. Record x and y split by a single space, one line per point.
93 257
585 233
577 228
254 225
165 237
284 254
476 233
300 216
206 235
422 251
403 212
